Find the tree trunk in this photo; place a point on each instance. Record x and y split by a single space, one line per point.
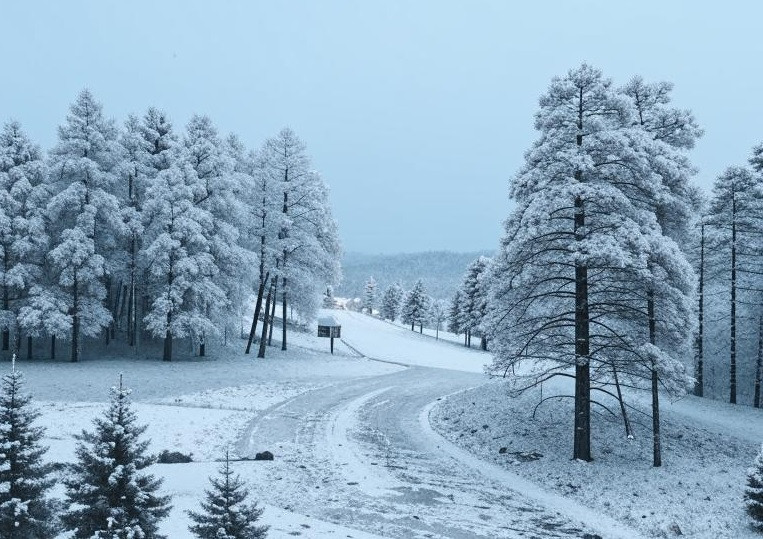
167 345
130 313
273 311
733 354
52 347
412 326
261 353
582 437
699 389
75 320
257 310
623 411
421 327
110 307
758 365
6 307
202 346
29 347
283 314
656 446
483 343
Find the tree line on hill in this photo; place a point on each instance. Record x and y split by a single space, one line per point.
141 232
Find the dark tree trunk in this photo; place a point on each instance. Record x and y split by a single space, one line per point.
483 343
167 345
130 313
623 411
421 327
202 346
758 364
257 310
582 438
52 347
699 385
75 320
272 312
6 307
412 323
261 353
110 307
656 445
283 314
733 354
29 347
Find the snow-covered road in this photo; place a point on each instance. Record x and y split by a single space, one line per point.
361 454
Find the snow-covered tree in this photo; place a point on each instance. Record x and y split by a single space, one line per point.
86 214
109 493
179 259
369 295
753 494
391 301
226 512
415 306
437 314
735 219
474 294
582 249
25 512
23 235
454 314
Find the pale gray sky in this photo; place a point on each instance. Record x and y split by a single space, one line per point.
417 113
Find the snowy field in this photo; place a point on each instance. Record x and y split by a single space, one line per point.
197 406
325 481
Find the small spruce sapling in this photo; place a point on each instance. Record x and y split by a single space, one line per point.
225 513
108 494
25 513
753 495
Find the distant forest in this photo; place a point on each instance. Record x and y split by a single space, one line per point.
440 271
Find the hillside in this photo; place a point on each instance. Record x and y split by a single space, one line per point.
441 271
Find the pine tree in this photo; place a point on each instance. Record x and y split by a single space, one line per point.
226 513
416 306
25 513
437 314
86 213
391 301
369 295
582 250
753 494
109 495
23 237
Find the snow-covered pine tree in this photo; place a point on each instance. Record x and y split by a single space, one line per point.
109 493
753 494
735 222
415 306
474 293
454 313
25 512
226 512
86 213
572 271
369 295
391 301
216 189
23 236
179 259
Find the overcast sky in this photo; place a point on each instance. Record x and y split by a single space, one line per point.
417 113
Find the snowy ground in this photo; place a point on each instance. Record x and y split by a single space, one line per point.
356 455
